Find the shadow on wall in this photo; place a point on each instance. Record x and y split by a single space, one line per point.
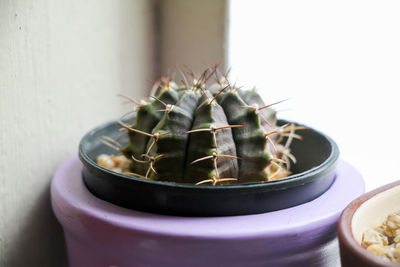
36 228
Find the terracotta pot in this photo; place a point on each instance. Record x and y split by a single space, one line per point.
366 212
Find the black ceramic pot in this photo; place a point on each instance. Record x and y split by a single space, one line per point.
313 174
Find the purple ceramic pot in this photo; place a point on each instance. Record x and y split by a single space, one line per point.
99 233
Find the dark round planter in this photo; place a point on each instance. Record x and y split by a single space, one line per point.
314 173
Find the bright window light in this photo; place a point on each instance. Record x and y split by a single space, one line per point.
337 61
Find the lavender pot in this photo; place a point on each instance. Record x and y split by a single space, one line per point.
99 233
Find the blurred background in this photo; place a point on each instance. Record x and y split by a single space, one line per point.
63 63
337 61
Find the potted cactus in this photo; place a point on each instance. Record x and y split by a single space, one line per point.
192 143
160 184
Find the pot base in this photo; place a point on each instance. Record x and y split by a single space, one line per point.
99 233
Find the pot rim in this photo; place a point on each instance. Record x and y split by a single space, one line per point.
291 181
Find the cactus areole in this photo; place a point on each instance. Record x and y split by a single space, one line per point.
198 133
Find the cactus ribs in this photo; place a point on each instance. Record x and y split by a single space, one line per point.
195 133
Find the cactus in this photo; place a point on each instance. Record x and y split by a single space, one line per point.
218 134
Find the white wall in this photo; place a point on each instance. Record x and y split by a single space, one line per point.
62 63
339 61
193 33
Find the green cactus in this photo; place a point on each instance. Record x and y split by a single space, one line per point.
193 133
